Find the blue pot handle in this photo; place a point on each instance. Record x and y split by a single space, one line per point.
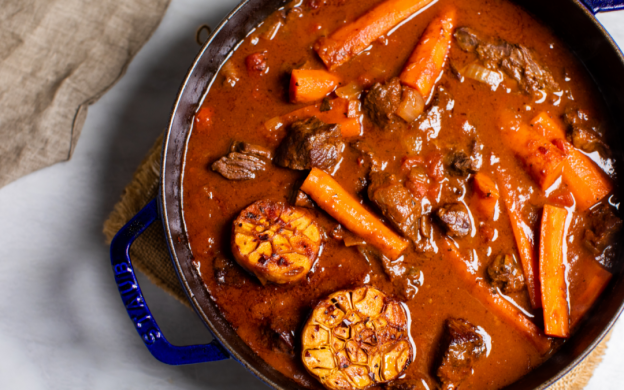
604 5
136 306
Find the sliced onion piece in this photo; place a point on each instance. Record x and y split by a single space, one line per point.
274 124
230 73
482 74
411 106
351 239
349 91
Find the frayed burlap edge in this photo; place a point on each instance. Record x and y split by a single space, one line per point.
150 254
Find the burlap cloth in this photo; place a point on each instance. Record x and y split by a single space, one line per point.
56 58
150 255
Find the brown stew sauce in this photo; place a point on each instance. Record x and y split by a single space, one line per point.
258 313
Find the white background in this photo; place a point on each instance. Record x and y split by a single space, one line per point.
62 324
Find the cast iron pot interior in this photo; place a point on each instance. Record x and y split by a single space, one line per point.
569 20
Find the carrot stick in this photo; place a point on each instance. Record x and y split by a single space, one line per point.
426 62
588 183
307 86
350 39
486 194
543 160
552 272
479 289
524 241
338 203
597 278
342 111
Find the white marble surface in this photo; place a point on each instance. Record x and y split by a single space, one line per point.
62 324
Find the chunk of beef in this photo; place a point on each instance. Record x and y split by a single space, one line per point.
382 102
467 39
284 342
460 164
505 273
602 228
239 166
580 134
281 341
301 199
395 202
368 154
517 61
586 140
491 52
524 68
251 150
243 161
465 347
454 219
228 273
311 143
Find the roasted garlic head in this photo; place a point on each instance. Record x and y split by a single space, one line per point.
355 339
276 242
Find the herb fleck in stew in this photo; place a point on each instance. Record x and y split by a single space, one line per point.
402 194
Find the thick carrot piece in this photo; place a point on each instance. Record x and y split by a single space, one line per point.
588 183
342 111
543 160
307 86
426 62
597 280
486 194
552 272
503 309
524 241
350 39
338 203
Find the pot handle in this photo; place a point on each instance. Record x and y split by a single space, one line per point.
136 306
596 6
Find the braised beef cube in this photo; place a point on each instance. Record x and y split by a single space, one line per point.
467 39
575 117
283 342
465 347
454 219
395 202
602 228
227 273
382 102
530 75
369 158
280 341
505 273
491 53
238 166
251 150
461 164
517 61
311 143
301 199
361 184
580 134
